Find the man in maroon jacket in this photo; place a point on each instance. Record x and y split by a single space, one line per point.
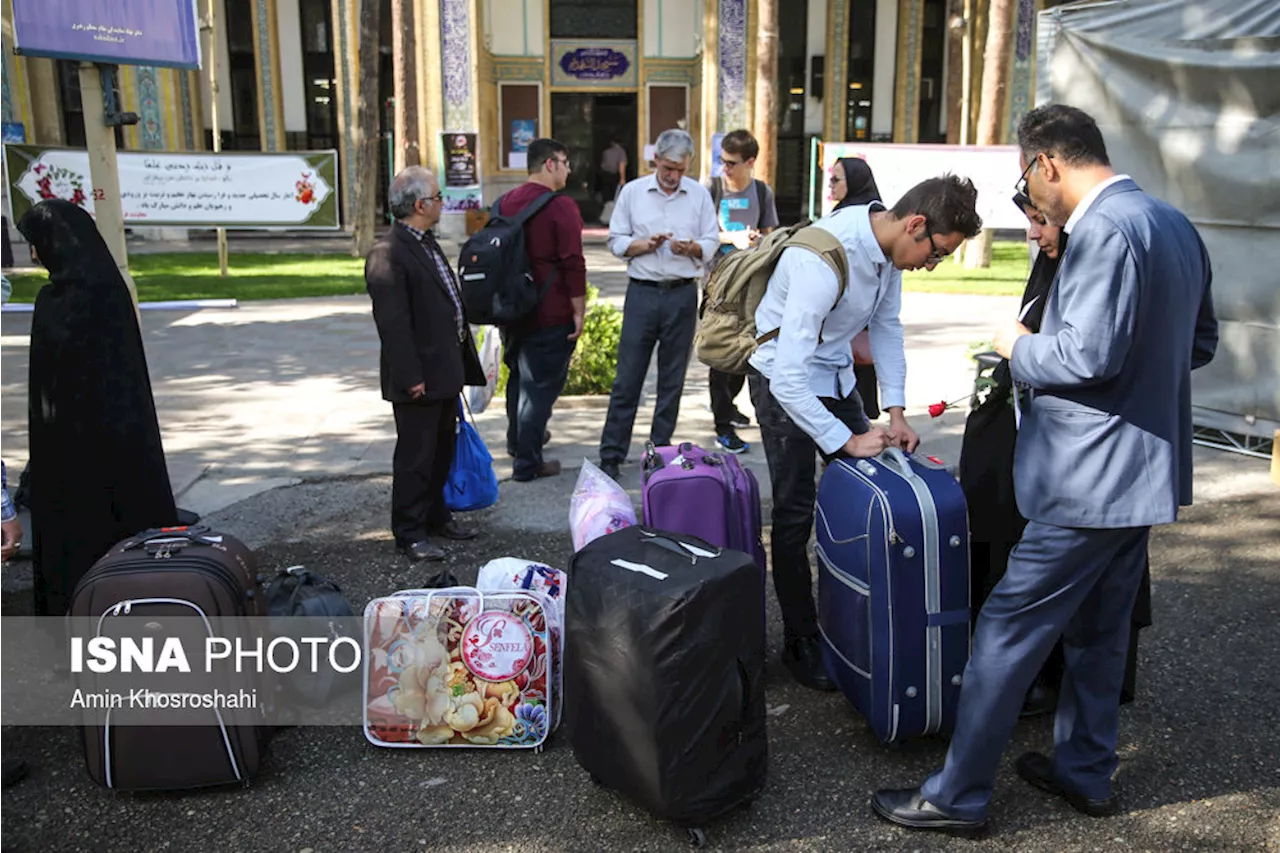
538 347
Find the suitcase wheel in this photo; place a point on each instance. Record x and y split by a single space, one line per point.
697 837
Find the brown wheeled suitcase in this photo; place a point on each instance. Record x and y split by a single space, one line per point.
164 582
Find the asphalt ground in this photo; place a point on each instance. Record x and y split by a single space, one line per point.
1200 769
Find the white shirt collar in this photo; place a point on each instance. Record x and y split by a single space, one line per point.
654 186
1090 197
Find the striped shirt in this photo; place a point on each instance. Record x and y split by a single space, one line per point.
433 250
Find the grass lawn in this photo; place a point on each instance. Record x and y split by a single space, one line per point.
194 275
1006 276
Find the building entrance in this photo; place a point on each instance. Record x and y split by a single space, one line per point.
589 123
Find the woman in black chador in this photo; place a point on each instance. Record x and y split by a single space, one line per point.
97 471
986 474
852 183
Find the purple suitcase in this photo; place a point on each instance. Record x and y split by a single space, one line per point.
708 495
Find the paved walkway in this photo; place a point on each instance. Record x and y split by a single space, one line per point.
276 392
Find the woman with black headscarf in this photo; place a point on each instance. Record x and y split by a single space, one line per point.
97 470
852 184
986 472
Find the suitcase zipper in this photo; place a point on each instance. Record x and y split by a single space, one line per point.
123 607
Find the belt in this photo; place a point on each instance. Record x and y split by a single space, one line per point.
666 284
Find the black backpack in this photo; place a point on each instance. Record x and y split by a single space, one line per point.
497 287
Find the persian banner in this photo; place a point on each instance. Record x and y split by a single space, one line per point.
117 32
197 189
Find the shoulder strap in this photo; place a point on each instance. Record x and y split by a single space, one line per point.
761 193
532 208
825 245
717 192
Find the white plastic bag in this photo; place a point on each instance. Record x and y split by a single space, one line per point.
599 506
490 352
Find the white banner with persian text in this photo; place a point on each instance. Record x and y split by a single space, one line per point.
197 189
993 169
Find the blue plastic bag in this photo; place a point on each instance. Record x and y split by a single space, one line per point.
472 483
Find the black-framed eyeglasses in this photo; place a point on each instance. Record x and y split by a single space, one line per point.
563 162
729 164
935 254
1021 186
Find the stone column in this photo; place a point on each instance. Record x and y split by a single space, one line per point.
46 101
710 84
266 61
835 88
906 107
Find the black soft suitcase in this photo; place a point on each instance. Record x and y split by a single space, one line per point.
664 673
160 579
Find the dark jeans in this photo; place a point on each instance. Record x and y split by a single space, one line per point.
791 454
426 438
537 365
653 315
724 387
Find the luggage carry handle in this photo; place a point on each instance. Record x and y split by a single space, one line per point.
167 537
895 458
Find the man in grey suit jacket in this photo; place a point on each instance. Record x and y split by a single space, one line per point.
1104 453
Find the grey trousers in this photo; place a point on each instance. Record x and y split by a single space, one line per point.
654 314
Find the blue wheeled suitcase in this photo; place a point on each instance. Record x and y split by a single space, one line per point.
893 590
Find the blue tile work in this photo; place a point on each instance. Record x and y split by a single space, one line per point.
150 120
1021 83
455 44
733 64
267 90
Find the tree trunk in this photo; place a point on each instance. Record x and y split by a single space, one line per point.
766 112
365 134
995 79
404 61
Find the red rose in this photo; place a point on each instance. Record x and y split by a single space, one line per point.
937 409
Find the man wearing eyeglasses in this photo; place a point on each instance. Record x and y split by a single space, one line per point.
428 355
745 209
538 347
1103 453
804 388
665 227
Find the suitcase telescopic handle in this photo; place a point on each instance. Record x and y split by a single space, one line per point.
893 457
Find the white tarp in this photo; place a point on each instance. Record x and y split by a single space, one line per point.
1187 94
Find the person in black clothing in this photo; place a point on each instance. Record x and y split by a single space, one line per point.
97 468
852 183
986 473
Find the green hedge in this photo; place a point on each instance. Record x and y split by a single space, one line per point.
595 360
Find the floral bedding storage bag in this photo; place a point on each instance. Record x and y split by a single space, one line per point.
458 667
511 573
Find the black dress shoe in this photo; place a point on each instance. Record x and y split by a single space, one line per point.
424 550
1040 700
455 531
803 657
905 807
1037 769
610 468
549 468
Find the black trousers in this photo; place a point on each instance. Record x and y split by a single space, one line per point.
655 315
792 456
426 438
724 388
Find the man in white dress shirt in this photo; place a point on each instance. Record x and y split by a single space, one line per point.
803 385
665 226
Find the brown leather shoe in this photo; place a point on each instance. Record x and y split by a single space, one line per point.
550 468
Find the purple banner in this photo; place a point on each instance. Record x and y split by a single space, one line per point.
137 32
594 63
